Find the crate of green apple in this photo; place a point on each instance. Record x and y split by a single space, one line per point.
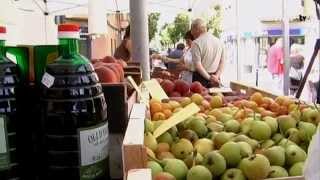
253 139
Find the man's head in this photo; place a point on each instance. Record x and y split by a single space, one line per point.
181 46
198 27
189 38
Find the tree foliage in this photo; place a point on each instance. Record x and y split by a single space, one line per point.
173 32
153 19
214 24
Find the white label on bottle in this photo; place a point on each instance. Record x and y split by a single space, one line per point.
11 57
3 141
4 153
94 144
47 80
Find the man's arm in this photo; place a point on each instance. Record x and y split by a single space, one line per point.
196 59
221 64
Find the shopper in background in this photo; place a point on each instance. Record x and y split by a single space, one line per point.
275 62
208 55
124 50
178 52
296 72
185 62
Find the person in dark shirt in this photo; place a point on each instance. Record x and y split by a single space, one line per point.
124 50
178 52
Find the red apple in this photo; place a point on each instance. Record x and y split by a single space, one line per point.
175 94
181 86
167 86
109 59
196 87
106 75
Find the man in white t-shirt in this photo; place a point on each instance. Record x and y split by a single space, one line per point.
208 55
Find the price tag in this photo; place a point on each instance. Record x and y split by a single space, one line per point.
155 89
220 90
47 80
176 118
12 58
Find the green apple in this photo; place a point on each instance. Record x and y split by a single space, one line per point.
203 146
260 130
233 174
216 102
272 122
296 169
232 126
182 148
215 162
255 167
245 148
176 167
295 154
150 141
306 131
286 122
155 167
276 155
221 138
277 171
199 172
231 151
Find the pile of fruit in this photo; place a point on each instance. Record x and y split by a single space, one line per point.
109 69
247 139
181 88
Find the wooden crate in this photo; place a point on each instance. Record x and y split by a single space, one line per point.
134 155
133 70
119 105
133 151
248 90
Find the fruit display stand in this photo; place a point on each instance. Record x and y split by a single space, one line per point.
134 153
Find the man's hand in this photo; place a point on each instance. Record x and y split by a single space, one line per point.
214 79
156 56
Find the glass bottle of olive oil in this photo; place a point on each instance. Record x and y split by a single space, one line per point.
9 165
74 115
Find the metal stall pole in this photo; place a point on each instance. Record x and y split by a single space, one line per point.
140 36
239 66
286 47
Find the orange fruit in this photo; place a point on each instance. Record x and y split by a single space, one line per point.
268 113
287 101
283 110
155 107
167 113
274 107
264 105
163 147
257 97
251 104
166 106
158 116
154 101
280 100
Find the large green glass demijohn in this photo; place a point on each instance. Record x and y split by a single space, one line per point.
9 164
74 123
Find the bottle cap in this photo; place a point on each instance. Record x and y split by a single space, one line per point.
69 31
3 32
